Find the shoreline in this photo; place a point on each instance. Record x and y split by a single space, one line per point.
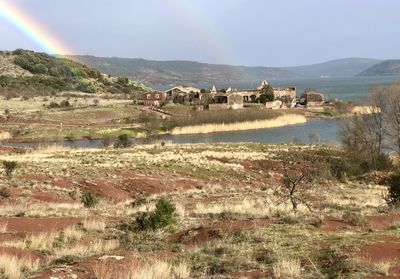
281 121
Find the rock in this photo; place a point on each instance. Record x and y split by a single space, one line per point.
274 105
118 258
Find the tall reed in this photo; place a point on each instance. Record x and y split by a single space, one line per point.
290 119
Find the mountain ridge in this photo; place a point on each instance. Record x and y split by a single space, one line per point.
389 67
174 72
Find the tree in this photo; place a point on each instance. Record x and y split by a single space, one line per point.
299 177
366 136
267 94
150 124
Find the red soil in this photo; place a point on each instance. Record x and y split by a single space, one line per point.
214 230
196 236
36 225
238 225
105 188
251 274
136 183
382 222
51 197
388 249
332 224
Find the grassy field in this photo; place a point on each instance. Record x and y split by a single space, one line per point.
192 211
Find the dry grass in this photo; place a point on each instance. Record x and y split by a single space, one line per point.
39 241
94 225
94 247
157 270
14 268
44 241
383 267
280 121
5 136
3 228
287 269
43 209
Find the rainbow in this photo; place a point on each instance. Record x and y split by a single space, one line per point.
20 20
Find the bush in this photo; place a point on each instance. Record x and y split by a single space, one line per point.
5 193
53 105
9 167
123 141
161 217
392 197
354 219
341 168
384 163
65 104
89 199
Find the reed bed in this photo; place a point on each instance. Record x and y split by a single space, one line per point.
284 120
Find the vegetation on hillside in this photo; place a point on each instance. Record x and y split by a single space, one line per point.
49 75
386 68
187 72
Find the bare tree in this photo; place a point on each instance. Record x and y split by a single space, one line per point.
367 136
299 179
393 115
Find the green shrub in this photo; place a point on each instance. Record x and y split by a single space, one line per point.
341 168
392 197
161 217
9 167
89 199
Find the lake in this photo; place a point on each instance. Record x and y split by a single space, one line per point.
324 130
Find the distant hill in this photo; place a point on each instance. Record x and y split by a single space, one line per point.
385 68
170 73
180 72
24 72
347 67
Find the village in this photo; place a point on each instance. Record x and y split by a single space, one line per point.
233 99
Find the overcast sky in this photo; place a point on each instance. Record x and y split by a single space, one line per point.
247 32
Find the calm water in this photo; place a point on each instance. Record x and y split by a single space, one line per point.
326 131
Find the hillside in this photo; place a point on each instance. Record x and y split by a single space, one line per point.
386 68
168 73
347 67
24 72
180 72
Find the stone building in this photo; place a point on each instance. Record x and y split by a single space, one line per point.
155 98
312 98
185 95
